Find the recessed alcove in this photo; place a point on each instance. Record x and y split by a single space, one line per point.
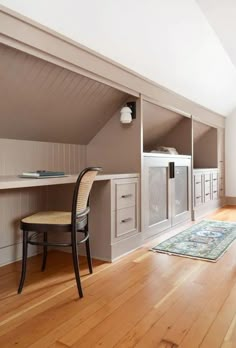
164 127
41 101
204 145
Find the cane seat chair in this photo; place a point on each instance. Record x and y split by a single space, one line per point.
74 222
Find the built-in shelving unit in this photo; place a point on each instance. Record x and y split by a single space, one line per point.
208 168
204 145
164 127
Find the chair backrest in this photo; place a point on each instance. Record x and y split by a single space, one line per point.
82 190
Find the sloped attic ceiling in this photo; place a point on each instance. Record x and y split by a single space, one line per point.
52 103
167 41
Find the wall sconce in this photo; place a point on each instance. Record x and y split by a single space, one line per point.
128 113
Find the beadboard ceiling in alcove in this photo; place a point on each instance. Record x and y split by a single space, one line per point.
44 102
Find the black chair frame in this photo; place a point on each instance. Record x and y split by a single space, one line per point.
79 223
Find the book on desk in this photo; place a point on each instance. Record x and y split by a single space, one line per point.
41 174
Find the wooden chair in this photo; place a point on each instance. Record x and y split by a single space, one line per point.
58 221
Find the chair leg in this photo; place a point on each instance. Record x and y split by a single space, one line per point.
45 251
90 265
76 263
24 261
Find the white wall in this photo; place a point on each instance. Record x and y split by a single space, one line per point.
230 155
167 41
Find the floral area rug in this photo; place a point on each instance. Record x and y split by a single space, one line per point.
207 240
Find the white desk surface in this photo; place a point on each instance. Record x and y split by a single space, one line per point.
12 182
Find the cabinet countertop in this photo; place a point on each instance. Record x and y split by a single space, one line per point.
13 181
204 169
158 154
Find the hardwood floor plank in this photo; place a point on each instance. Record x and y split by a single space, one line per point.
145 299
221 324
114 325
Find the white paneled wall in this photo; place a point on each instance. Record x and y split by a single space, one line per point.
17 156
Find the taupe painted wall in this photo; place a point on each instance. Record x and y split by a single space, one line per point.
205 150
117 147
17 156
179 137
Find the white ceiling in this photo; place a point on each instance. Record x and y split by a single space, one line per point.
182 45
221 15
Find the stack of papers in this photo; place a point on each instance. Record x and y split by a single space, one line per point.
42 174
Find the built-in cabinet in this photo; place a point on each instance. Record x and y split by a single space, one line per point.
208 168
206 186
114 217
166 192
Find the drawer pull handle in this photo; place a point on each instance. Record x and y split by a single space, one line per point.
198 182
214 179
126 196
198 197
207 194
126 220
207 180
214 191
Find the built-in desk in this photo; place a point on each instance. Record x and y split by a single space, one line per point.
114 217
13 181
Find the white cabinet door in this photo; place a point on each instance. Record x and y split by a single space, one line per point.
166 193
156 195
181 191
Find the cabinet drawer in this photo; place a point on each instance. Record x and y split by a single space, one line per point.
214 176
198 200
207 187
214 184
207 197
215 194
125 221
125 195
198 190
197 179
207 177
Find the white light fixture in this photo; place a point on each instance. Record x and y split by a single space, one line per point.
128 113
125 115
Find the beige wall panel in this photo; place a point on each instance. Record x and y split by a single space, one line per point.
17 156
157 123
205 150
199 130
116 148
180 137
22 33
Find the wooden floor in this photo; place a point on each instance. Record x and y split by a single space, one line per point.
145 299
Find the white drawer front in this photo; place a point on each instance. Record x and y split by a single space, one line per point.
207 177
125 221
207 187
198 200
198 189
215 185
125 195
214 176
215 194
207 197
